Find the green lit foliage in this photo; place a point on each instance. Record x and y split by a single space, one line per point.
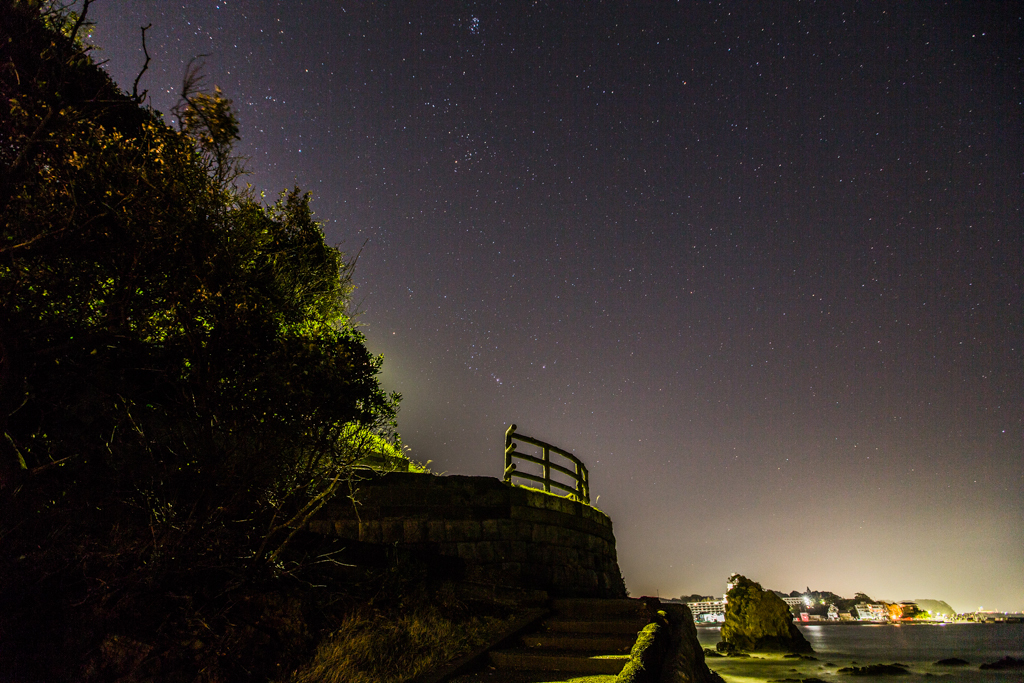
168 344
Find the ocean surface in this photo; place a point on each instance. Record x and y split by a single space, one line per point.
919 646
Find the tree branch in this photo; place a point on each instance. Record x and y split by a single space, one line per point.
81 19
135 86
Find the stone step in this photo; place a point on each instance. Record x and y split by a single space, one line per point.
559 660
627 626
596 609
588 642
491 675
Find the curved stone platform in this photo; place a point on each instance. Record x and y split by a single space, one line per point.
496 533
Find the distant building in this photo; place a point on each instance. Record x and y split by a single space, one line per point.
797 602
710 619
866 612
833 613
708 610
908 609
990 616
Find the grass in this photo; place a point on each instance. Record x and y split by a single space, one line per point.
398 643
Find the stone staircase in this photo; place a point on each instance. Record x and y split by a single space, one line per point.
581 637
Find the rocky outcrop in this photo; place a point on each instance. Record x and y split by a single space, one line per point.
684 659
756 619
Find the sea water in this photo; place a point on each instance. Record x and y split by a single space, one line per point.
919 646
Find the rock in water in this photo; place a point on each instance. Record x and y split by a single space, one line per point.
756 619
952 661
1006 662
894 669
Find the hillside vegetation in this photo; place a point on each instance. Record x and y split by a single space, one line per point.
181 382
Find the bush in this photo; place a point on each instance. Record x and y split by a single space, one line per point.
401 642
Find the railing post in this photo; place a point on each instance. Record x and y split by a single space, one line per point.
509 450
547 470
579 483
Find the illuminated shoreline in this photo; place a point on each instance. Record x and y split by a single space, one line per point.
880 623
921 650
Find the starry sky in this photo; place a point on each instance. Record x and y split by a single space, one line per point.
757 264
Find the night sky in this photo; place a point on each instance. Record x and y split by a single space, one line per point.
758 264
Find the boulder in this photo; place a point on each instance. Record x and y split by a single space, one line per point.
758 620
1006 662
952 661
684 661
894 669
667 649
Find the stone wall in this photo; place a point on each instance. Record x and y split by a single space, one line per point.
492 532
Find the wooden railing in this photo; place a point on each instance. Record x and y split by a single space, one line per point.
577 471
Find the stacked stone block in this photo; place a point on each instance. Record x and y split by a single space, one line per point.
500 534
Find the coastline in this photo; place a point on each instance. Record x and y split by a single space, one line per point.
880 623
920 651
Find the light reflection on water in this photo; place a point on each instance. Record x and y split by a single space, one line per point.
918 646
